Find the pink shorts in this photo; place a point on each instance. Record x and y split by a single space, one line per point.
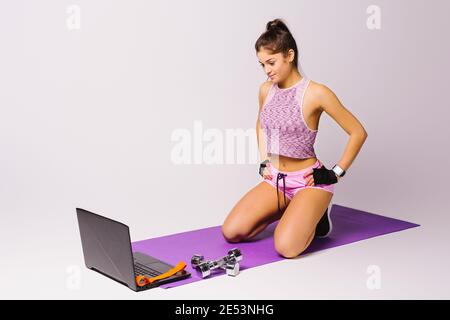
294 181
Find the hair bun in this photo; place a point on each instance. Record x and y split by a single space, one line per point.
276 24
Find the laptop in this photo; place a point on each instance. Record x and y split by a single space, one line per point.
107 249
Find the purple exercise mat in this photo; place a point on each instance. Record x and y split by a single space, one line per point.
349 225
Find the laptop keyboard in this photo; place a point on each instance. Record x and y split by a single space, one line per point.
140 269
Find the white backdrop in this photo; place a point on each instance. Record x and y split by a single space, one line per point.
92 92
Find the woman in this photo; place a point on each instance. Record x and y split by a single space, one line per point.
290 106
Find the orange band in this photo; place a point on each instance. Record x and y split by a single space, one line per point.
143 280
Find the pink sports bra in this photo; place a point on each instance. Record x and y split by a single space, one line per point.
282 121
